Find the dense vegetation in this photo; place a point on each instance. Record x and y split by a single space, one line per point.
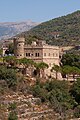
68 28
71 60
61 96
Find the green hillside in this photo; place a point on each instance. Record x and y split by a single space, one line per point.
67 29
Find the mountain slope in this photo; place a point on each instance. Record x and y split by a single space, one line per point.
10 29
64 30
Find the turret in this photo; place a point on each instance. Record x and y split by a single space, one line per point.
19 47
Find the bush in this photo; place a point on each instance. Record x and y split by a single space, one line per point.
12 116
40 92
57 94
77 112
9 75
12 106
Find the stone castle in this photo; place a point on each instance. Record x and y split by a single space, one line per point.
38 51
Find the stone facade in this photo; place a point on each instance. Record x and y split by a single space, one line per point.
5 46
19 47
38 51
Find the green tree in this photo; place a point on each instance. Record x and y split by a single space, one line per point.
75 71
40 67
40 92
71 60
26 63
57 69
66 70
59 96
75 90
9 75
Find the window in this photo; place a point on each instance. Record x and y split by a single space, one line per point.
36 54
28 54
53 54
44 54
49 54
19 55
19 45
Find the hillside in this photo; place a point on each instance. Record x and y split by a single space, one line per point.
64 30
9 29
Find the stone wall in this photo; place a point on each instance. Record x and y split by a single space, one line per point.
19 47
40 52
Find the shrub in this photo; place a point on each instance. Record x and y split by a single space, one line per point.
12 116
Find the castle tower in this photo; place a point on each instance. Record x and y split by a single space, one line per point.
19 47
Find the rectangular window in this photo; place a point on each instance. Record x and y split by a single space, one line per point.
44 54
36 54
28 54
49 54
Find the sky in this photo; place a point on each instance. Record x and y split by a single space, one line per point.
36 10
